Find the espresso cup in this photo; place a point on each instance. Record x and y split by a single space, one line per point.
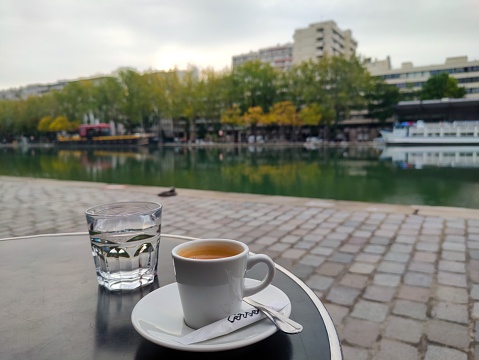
211 278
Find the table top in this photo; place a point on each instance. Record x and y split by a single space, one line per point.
53 308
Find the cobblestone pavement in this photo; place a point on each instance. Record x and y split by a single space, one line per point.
400 282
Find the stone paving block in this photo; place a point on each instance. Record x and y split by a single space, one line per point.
357 240
418 279
312 237
369 258
424 267
452 294
343 258
320 282
360 332
394 350
447 333
397 257
385 279
267 240
330 243
405 239
453 246
401 248
337 313
379 293
304 245
475 291
427 246
354 280
312 260
330 269
453 255
452 266
355 353
404 329
371 311
475 311
421 256
435 352
362 268
322 250
445 278
349 248
337 236
290 239
412 309
392 267
414 293
343 295
451 312
375 249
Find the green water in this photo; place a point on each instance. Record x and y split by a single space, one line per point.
355 174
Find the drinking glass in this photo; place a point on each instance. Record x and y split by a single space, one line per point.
125 240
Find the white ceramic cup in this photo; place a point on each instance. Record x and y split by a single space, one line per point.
212 289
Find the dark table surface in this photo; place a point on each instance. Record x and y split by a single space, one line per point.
52 307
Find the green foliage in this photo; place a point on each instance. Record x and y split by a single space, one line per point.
442 86
314 92
381 99
253 84
310 114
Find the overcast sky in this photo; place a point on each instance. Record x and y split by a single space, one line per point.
43 41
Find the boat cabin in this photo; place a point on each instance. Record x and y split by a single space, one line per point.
86 130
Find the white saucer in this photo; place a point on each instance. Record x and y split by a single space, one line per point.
158 317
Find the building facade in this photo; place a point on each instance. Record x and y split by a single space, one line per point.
279 56
318 39
410 77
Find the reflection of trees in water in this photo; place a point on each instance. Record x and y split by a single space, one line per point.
331 173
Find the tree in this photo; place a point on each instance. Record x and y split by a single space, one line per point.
61 123
254 84
382 98
310 114
135 104
44 124
232 116
442 86
109 98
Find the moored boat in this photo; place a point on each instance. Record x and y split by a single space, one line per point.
100 134
433 134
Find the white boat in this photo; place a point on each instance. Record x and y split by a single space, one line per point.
418 157
433 134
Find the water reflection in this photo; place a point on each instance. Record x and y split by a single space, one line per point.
430 156
342 173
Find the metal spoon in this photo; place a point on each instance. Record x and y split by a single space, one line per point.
282 322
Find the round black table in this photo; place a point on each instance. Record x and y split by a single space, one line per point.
53 308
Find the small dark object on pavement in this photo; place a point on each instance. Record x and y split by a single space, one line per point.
171 192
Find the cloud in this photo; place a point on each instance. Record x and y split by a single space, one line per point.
48 40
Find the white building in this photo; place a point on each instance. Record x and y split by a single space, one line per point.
318 39
412 77
279 56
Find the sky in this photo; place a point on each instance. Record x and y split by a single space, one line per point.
44 41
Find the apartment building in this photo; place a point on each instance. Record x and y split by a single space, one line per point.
322 38
279 56
413 77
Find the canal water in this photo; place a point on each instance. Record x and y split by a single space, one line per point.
423 176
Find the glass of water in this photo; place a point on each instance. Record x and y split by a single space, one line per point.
125 240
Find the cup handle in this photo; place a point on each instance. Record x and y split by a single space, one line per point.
252 261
